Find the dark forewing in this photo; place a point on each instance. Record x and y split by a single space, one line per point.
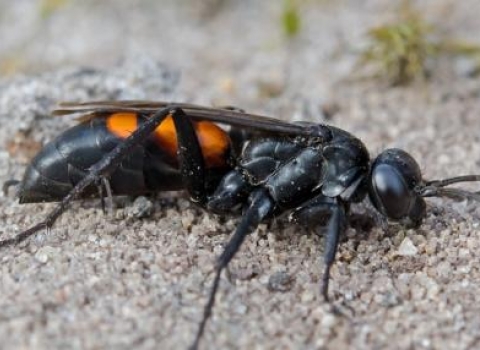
196 112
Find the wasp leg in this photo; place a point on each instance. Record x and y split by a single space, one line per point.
101 194
190 157
108 189
105 191
9 183
260 206
315 212
100 170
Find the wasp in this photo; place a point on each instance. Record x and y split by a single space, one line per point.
261 168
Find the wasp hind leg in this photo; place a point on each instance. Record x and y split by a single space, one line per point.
105 192
101 170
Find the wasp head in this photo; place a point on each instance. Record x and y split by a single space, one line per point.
394 180
397 189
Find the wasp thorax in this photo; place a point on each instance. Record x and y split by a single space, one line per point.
394 177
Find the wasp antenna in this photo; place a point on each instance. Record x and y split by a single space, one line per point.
453 180
454 193
436 188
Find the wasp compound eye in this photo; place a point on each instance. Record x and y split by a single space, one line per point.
389 192
394 175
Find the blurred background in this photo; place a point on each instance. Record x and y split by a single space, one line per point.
243 51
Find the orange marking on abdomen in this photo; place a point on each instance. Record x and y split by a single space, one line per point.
214 141
122 124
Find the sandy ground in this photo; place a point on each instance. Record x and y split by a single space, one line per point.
140 279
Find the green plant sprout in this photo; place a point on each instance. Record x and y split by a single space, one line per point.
400 51
291 21
49 7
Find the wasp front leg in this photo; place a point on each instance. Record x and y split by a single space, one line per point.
316 212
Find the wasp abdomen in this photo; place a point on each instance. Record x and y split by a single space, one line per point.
66 160
152 166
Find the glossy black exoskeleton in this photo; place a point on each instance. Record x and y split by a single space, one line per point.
263 168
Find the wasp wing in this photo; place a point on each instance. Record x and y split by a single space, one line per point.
226 116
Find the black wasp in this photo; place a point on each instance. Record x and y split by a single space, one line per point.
262 168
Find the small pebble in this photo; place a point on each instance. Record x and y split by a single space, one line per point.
280 282
44 254
142 208
407 248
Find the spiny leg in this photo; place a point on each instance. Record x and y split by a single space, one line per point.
336 226
108 190
101 169
314 212
101 194
105 191
260 206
